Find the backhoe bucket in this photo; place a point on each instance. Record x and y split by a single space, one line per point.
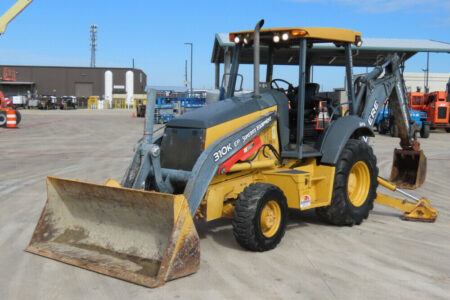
409 168
139 236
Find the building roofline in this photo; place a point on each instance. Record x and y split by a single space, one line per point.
73 67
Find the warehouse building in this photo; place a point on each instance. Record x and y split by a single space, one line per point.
71 81
418 81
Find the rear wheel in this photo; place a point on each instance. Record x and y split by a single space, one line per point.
447 129
2 118
259 217
393 130
355 185
425 131
381 126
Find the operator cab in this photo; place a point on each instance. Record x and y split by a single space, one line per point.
303 115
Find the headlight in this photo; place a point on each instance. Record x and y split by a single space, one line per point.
285 36
237 39
359 42
246 39
276 38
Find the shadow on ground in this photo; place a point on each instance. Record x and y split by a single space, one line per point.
221 230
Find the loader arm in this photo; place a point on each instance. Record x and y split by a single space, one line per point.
11 13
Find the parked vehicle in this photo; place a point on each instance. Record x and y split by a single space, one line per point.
48 102
385 122
248 158
19 101
33 103
68 102
435 104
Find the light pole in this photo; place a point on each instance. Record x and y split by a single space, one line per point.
192 50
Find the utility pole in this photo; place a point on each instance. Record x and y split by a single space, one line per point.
93 44
427 89
192 51
426 75
185 73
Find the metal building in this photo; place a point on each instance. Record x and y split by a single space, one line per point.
71 81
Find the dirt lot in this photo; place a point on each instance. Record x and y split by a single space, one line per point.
384 258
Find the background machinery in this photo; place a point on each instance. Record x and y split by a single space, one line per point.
6 107
68 102
435 104
249 158
7 17
385 122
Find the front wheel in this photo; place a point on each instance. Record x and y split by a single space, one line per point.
259 217
355 185
425 131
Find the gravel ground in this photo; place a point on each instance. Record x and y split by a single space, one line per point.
384 257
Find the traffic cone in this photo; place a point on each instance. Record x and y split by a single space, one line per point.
11 118
134 116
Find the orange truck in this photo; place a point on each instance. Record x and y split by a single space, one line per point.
438 109
435 104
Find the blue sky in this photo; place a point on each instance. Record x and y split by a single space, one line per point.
55 32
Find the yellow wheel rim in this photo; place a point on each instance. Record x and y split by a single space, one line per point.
358 185
270 218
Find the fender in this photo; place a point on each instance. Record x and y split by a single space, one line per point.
336 136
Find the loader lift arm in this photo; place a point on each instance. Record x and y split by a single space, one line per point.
11 13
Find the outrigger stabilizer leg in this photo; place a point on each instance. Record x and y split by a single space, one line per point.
420 210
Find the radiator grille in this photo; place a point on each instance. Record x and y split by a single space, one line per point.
442 112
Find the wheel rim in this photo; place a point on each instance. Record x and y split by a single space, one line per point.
270 218
358 184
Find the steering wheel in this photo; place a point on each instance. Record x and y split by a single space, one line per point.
274 82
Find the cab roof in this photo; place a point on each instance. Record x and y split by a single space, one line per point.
317 34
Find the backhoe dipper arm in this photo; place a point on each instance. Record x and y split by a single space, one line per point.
373 92
11 13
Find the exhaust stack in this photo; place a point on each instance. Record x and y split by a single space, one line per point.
256 57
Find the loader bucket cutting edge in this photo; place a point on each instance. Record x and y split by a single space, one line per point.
143 237
409 168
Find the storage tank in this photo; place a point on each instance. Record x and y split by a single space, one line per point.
108 87
129 87
212 96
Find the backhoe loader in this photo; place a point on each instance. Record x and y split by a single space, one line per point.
249 158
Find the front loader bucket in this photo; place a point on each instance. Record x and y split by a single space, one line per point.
135 235
409 168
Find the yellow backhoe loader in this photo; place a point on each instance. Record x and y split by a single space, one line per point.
249 158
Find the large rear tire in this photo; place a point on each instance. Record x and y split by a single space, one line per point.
425 131
355 185
259 217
